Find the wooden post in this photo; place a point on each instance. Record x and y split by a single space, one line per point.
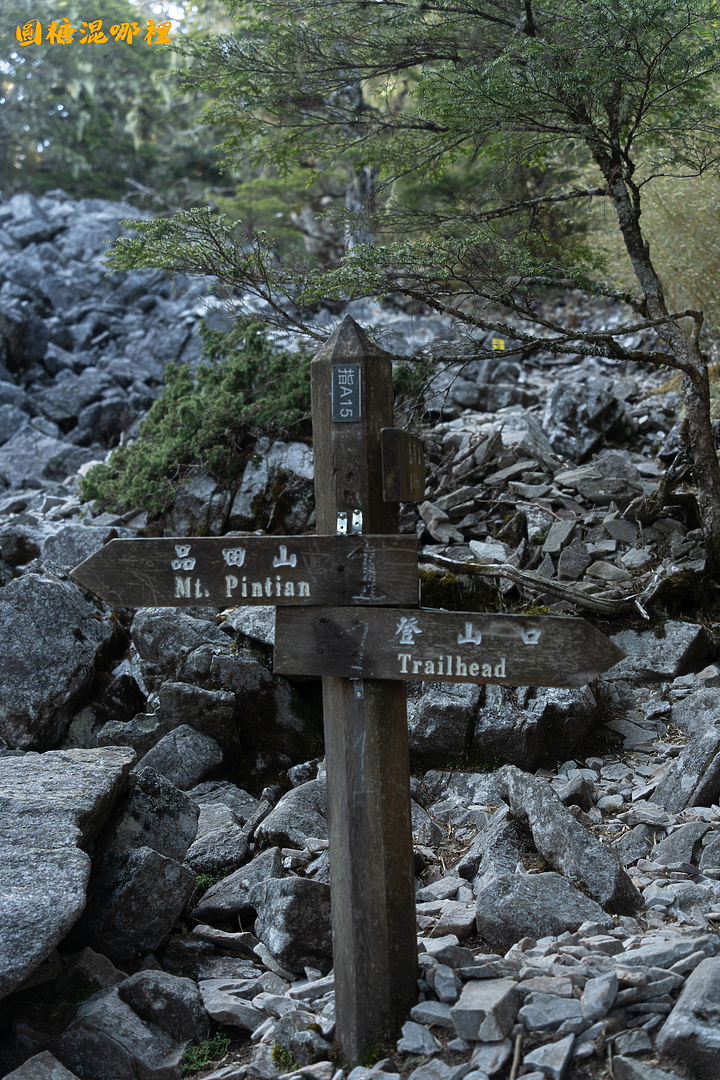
366 742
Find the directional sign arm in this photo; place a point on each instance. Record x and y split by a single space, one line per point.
441 646
238 570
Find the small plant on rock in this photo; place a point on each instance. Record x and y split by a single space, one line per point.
207 1053
283 1059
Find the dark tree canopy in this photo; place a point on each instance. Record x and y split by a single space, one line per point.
88 115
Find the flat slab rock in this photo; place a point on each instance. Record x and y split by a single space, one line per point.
51 805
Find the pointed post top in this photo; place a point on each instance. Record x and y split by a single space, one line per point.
349 342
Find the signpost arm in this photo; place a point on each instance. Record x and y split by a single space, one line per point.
366 742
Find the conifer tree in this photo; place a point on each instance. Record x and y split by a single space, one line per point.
411 93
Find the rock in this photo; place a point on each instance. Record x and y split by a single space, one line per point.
486 1009
598 996
558 536
254 623
578 413
222 793
552 1059
489 1057
512 906
690 1037
439 524
41 1067
693 777
134 899
108 1041
51 804
225 1002
683 845
433 1013
566 845
416 1039
165 635
73 544
521 726
546 1012
208 711
662 654
300 813
184 756
574 561
156 815
495 851
440 722
200 508
222 849
293 921
663 954
230 898
694 713
32 456
172 1004
52 640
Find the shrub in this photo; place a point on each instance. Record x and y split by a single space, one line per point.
207 416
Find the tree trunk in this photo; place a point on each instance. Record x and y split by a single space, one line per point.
696 390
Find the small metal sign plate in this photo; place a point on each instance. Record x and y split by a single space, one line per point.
345 393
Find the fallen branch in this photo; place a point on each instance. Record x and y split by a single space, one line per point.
600 606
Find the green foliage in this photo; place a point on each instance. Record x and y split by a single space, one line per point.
206 417
203 882
207 1053
283 1059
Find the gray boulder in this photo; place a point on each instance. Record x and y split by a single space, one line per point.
73 544
42 1067
566 844
674 649
134 899
268 461
200 508
693 777
51 806
107 1040
156 815
526 724
165 635
32 456
300 813
495 851
173 1004
697 711
690 1037
230 898
52 638
208 711
440 722
223 793
220 849
578 413
293 921
184 756
514 906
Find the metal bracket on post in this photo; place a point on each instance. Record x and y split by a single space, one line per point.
356 528
358 689
342 523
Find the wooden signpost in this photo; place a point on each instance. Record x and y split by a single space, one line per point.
348 611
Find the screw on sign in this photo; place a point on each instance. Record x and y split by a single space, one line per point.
348 612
